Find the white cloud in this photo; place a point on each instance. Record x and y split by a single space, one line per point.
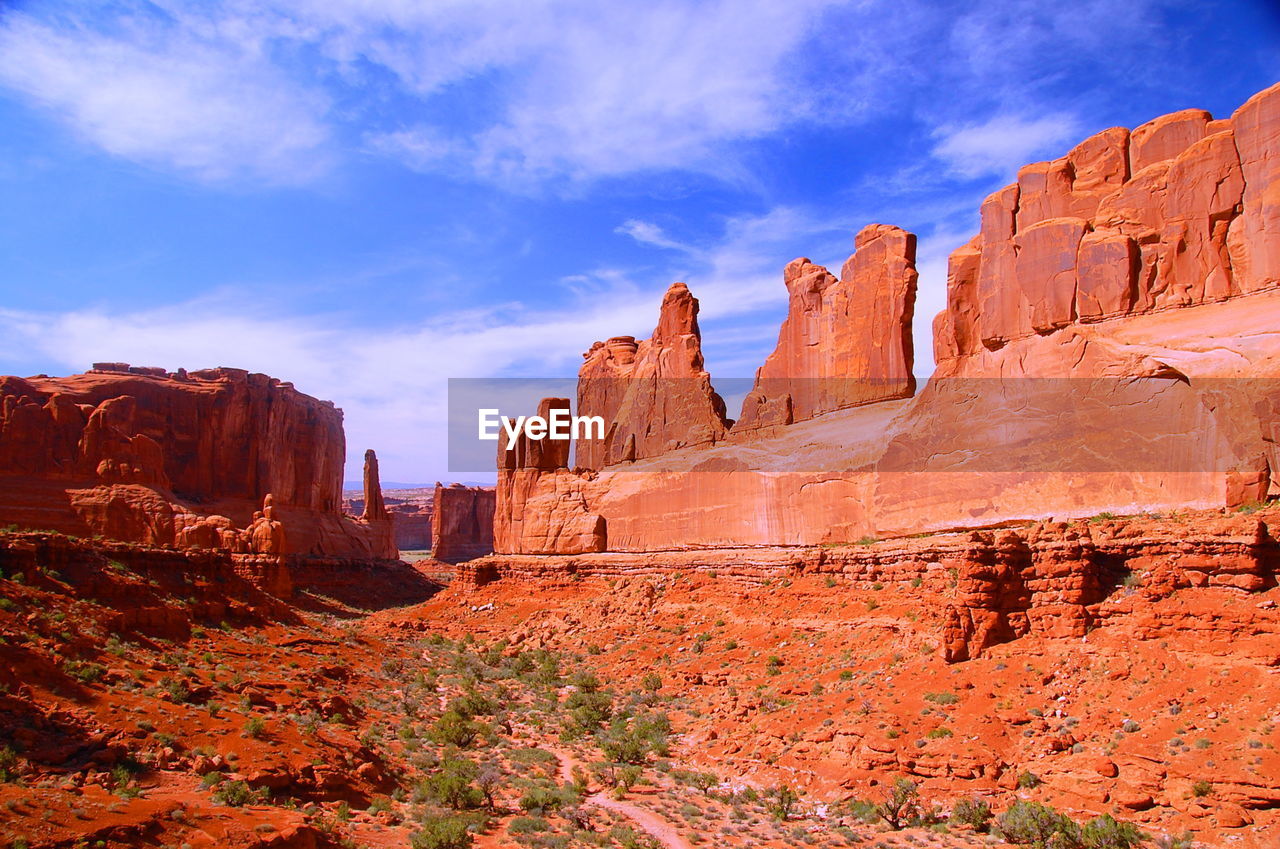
543 91
999 146
648 233
212 109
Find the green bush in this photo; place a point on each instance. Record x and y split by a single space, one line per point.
442 833
1028 780
943 698
84 672
473 703
454 729
8 764
255 727
901 804
233 794
1038 826
781 802
545 799
1104 832
452 786
975 813
528 825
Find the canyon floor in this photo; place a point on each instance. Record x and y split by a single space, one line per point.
154 699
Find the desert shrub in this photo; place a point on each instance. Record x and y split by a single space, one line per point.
1038 826
83 671
632 742
442 833
943 698
545 799
473 703
255 727
452 786
901 804
8 764
531 755
704 781
1105 832
864 810
1201 788
939 732
233 794
975 813
781 801
589 707
652 682
454 729
1028 780
528 825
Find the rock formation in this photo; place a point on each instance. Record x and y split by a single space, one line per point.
655 395
541 506
463 523
375 510
844 342
1107 346
217 458
1179 212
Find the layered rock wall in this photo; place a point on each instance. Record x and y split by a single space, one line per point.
215 458
845 341
1047 580
540 505
1108 346
463 522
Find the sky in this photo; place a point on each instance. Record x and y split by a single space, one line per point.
367 197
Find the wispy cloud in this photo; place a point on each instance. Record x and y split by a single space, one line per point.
648 233
1000 145
547 91
165 96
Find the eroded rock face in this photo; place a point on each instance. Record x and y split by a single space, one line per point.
845 341
541 506
655 396
463 522
218 458
1182 211
1108 345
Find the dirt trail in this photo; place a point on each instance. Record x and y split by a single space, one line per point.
651 823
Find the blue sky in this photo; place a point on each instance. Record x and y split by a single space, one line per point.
369 196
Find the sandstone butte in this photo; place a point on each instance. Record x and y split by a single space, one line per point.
218 459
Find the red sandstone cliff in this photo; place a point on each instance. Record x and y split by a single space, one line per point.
218 458
463 522
541 506
654 396
1108 346
844 342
